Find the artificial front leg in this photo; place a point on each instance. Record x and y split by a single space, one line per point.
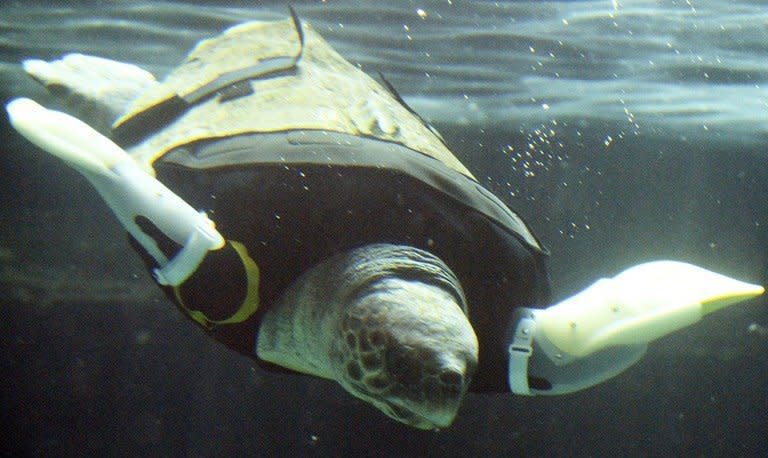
596 334
213 281
133 194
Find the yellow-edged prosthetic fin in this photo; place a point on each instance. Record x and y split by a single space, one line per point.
638 306
130 191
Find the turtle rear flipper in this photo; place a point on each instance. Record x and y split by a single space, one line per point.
93 89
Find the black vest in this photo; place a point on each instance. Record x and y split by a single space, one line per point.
295 198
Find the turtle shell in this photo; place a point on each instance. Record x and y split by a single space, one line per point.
289 78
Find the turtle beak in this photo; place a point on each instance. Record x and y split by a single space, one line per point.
427 385
434 402
430 421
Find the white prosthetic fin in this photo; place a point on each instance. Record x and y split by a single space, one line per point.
604 329
94 89
128 190
66 137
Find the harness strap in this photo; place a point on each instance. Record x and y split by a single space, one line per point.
149 121
520 351
244 311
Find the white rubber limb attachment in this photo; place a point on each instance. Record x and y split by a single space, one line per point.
598 333
127 189
533 371
637 306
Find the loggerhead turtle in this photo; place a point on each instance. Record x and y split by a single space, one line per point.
349 243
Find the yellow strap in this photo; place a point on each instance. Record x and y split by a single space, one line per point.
249 305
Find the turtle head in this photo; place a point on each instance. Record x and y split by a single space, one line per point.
409 350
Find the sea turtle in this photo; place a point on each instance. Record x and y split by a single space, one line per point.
349 243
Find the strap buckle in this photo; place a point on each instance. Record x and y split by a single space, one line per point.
520 351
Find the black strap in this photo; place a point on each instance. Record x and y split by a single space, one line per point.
346 150
229 85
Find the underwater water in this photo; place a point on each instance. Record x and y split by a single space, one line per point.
622 131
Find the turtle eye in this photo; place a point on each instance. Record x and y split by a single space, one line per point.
451 378
404 366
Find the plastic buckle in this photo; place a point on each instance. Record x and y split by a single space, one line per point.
202 239
520 351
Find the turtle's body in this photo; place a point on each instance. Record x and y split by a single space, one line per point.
293 215
370 253
351 244
323 185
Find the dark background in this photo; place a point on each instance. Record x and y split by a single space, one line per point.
95 361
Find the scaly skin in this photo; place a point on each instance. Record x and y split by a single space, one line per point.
387 323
